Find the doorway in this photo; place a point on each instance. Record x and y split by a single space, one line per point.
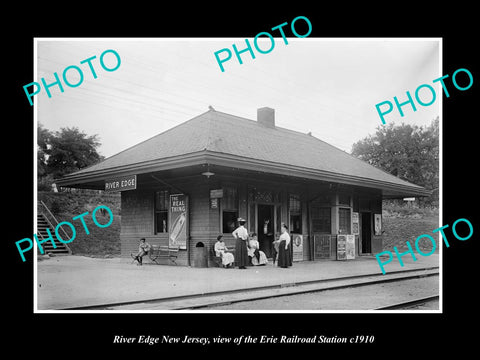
265 228
366 218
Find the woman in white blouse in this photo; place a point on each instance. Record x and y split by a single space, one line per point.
221 250
284 253
256 255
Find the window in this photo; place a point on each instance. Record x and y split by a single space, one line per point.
295 208
321 219
344 199
344 221
296 224
229 220
264 196
294 204
229 209
161 211
230 198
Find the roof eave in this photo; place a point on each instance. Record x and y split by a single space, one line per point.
229 160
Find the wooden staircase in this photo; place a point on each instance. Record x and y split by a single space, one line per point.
45 219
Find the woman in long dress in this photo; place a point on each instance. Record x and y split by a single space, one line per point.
284 253
241 252
221 250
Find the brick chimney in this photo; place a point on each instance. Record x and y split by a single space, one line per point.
266 117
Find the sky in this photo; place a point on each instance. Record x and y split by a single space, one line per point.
328 87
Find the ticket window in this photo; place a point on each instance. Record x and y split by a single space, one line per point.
229 212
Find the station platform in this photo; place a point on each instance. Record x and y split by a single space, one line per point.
65 282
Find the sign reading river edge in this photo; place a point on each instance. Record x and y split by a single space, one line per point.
121 183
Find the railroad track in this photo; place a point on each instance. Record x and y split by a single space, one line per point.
410 303
209 300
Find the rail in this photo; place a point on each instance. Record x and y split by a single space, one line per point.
410 303
51 224
212 299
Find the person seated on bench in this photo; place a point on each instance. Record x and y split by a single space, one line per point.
221 251
143 250
257 256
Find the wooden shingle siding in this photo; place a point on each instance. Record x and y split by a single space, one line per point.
138 219
204 222
199 196
137 212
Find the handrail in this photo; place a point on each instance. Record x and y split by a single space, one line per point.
56 222
49 212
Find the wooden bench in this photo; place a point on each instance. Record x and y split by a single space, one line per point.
216 259
163 252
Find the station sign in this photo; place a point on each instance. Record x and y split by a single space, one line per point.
216 194
121 183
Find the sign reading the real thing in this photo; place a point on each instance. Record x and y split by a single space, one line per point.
178 216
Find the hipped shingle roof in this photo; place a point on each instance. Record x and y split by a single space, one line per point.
221 134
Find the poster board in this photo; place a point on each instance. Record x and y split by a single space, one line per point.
378 224
321 246
350 247
341 247
178 221
355 223
297 244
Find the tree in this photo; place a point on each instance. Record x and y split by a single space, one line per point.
63 152
408 152
43 139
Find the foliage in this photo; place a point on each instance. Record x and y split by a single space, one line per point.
62 152
43 138
407 151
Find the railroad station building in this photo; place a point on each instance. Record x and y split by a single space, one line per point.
189 184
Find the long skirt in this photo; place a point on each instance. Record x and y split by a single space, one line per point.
261 260
241 253
284 256
227 258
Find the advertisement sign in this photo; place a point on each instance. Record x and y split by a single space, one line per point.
121 183
355 223
322 246
297 241
350 247
178 221
378 224
341 247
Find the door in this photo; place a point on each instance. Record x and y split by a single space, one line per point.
266 228
366 232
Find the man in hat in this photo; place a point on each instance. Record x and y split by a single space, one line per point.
241 252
